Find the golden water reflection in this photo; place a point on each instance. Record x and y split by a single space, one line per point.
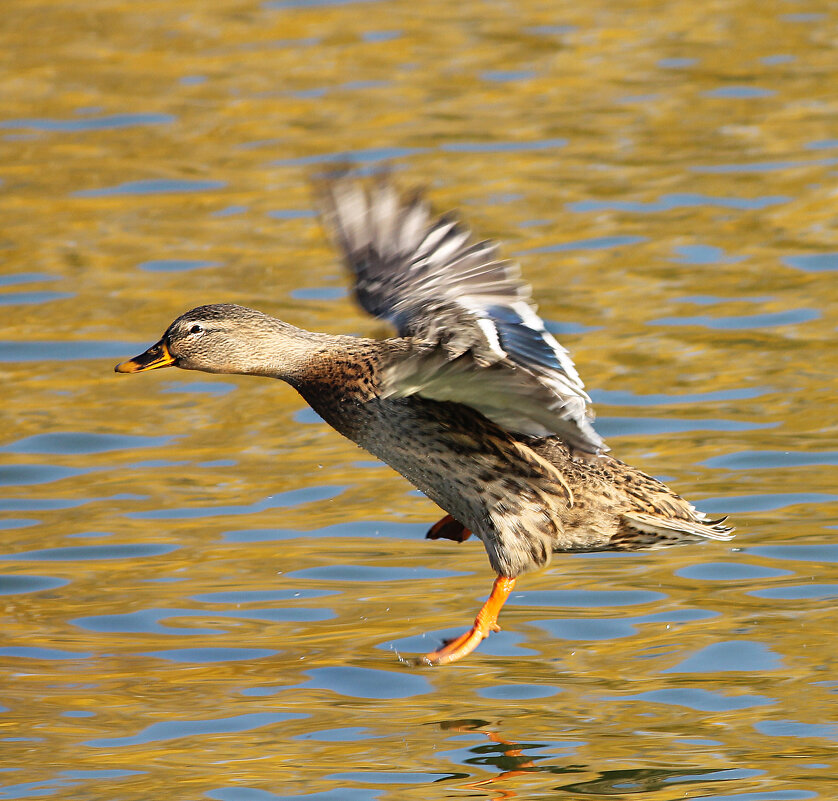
206 592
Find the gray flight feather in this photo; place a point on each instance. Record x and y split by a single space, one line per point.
478 338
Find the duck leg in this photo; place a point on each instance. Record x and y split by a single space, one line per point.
486 621
448 529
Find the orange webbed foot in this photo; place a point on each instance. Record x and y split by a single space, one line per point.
448 529
485 622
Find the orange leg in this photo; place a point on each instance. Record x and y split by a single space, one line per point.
448 529
486 621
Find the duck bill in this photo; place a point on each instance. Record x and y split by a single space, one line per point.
154 358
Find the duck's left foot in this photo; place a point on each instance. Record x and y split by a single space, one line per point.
448 529
486 621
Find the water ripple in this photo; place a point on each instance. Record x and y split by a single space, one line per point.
89 552
595 629
144 621
798 592
108 122
729 571
285 4
765 502
794 728
743 322
63 350
763 166
148 621
344 734
13 279
699 254
82 442
518 692
151 186
611 427
175 265
239 793
503 146
367 573
178 729
820 552
15 475
281 500
814 262
585 599
698 699
237 597
17 522
203 656
678 200
25 652
730 656
738 92
766 460
356 682
357 528
32 298
17 584
622 397
595 243
361 156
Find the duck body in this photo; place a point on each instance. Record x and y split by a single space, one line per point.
462 461
475 403
524 497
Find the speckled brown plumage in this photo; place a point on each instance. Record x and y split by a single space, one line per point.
475 403
525 498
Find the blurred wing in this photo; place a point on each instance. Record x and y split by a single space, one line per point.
479 340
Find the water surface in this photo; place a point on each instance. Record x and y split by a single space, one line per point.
208 594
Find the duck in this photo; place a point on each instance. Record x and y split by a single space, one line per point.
473 401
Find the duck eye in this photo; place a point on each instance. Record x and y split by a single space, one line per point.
196 329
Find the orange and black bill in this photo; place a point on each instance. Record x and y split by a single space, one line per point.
155 357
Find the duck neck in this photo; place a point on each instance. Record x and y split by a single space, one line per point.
287 352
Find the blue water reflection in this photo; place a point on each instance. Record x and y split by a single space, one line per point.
356 682
699 699
107 122
176 729
731 656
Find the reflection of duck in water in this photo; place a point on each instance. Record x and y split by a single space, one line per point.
503 755
475 403
577 779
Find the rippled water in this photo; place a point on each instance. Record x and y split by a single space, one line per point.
206 591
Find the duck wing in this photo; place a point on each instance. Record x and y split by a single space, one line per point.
476 336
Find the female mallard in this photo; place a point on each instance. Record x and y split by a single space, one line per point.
475 402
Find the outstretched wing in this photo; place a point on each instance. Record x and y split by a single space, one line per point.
478 338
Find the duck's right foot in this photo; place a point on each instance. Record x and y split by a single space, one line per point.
448 529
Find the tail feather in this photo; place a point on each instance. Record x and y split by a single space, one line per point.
666 527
